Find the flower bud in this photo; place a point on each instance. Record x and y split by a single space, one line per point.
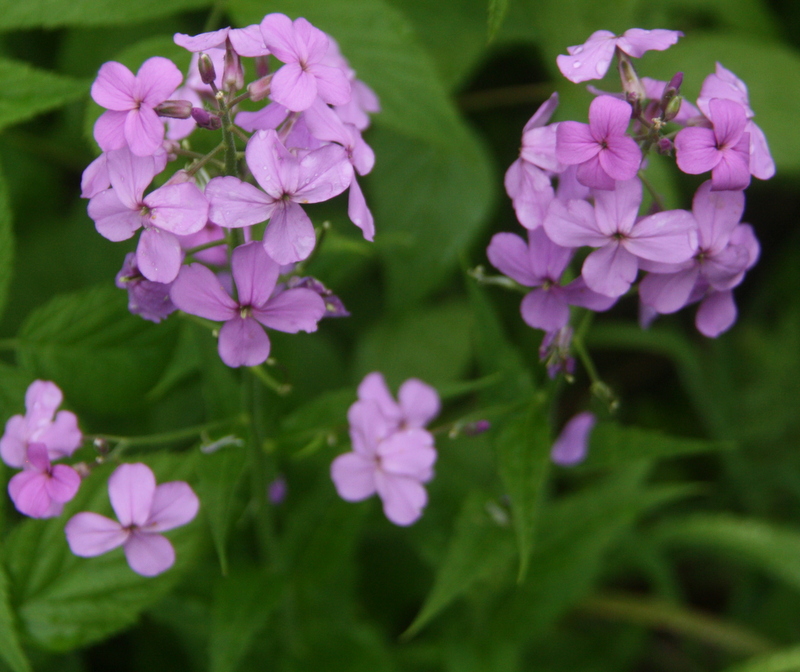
477 427
174 109
262 66
665 146
672 108
631 84
206 68
206 120
260 88
232 73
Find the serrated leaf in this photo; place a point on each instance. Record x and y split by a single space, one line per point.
102 357
612 445
243 603
480 548
10 648
218 475
523 449
785 660
497 14
771 548
65 602
6 243
57 13
28 91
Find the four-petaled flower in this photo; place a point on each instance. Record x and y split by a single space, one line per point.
41 489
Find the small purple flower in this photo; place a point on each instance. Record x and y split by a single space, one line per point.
540 264
144 510
146 298
724 149
572 444
591 59
242 340
601 150
622 239
303 48
392 455
288 181
41 424
277 490
41 489
244 41
131 119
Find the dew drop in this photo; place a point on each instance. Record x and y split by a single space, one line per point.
577 50
576 64
600 69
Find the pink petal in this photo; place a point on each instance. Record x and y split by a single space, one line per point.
109 130
290 235
272 116
248 42
156 80
323 174
403 497
635 41
95 177
144 131
112 218
130 175
616 211
408 452
13 444
90 534
419 402
149 554
576 293
696 150
243 342
543 114
729 120
114 87
130 489
354 476
589 60
717 214
197 291
174 504
761 164
254 273
592 174
610 270
358 211
36 458
539 148
573 442
669 237
42 398
374 388
621 158
63 483
203 41
608 117
575 143
159 255
508 253
279 36
181 209
234 204
273 166
291 311
333 86
668 292
733 169
369 425
544 309
573 225
716 314
28 491
293 87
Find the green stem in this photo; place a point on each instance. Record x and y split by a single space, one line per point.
662 615
202 159
215 16
126 442
598 387
269 382
649 186
206 246
479 274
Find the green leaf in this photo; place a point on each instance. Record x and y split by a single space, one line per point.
65 602
771 548
612 445
785 660
57 13
430 343
523 447
765 67
480 548
104 358
6 243
750 17
243 603
497 14
10 648
218 475
28 91
13 385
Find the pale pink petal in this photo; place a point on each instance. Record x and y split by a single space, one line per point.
63 483
95 177
174 504
636 41
112 218
234 204
273 166
323 174
539 148
144 131
130 175
243 342
696 150
717 214
272 116
156 80
203 41
621 157
408 452
114 87
149 554
358 211
333 86
354 476
369 425
733 169
589 60
419 402
109 130
573 442
28 491
616 210
729 121
668 292
403 497
544 309
36 458
592 174
291 311
508 253
90 534
610 270
669 236
42 398
575 143
130 489
608 117
761 164
290 235
13 444
293 87
197 291
716 314
248 42
374 388
159 255
576 293
178 208
279 36
543 114
573 224
254 273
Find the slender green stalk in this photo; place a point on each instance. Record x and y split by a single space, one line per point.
269 382
599 387
659 200
205 246
126 442
215 16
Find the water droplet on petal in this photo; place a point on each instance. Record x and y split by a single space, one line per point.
576 64
577 50
600 69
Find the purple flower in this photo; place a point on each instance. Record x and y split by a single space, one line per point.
540 264
244 41
41 489
601 150
591 59
555 352
288 180
303 48
242 340
724 149
572 444
612 226
171 210
392 455
130 100
723 84
41 424
146 298
144 510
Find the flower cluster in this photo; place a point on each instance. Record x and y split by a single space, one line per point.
579 185
392 454
203 223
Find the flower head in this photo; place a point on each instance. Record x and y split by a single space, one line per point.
42 489
143 510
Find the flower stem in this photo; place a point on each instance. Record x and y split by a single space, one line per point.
599 388
126 442
269 382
